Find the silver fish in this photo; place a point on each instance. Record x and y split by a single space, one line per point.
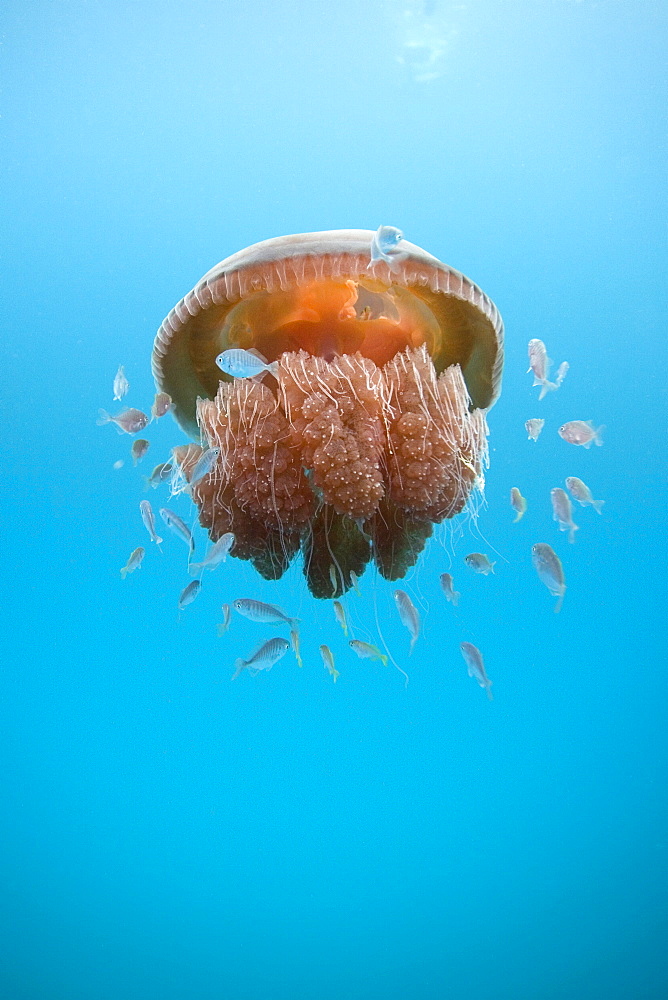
149 521
244 364
189 593
562 372
533 428
580 492
161 404
294 642
139 449
160 474
179 527
257 611
128 421
264 658
447 586
539 363
367 651
547 564
476 667
204 465
479 562
328 661
518 503
134 562
225 624
121 384
340 615
409 615
215 556
581 432
384 245
562 512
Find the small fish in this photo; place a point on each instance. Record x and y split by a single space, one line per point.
149 521
581 432
539 363
139 449
547 564
562 372
340 613
161 404
476 667
128 421
447 586
118 465
548 386
367 651
533 428
215 556
244 364
160 474
294 642
518 503
479 562
580 492
328 661
225 624
189 593
204 465
354 580
264 658
184 459
179 527
562 512
332 578
408 615
257 611
384 245
121 384
134 562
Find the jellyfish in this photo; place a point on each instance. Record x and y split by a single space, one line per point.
372 427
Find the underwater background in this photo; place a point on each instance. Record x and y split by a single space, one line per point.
168 834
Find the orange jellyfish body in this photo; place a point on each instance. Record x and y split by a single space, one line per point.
374 428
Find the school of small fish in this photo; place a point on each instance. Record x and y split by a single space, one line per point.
240 364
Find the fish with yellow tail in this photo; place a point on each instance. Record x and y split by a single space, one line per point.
518 503
134 562
328 662
367 651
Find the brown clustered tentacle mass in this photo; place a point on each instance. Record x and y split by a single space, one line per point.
345 459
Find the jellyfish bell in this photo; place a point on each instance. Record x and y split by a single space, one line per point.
372 425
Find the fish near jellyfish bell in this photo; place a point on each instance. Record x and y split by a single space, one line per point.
365 423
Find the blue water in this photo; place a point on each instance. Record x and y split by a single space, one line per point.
168 835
